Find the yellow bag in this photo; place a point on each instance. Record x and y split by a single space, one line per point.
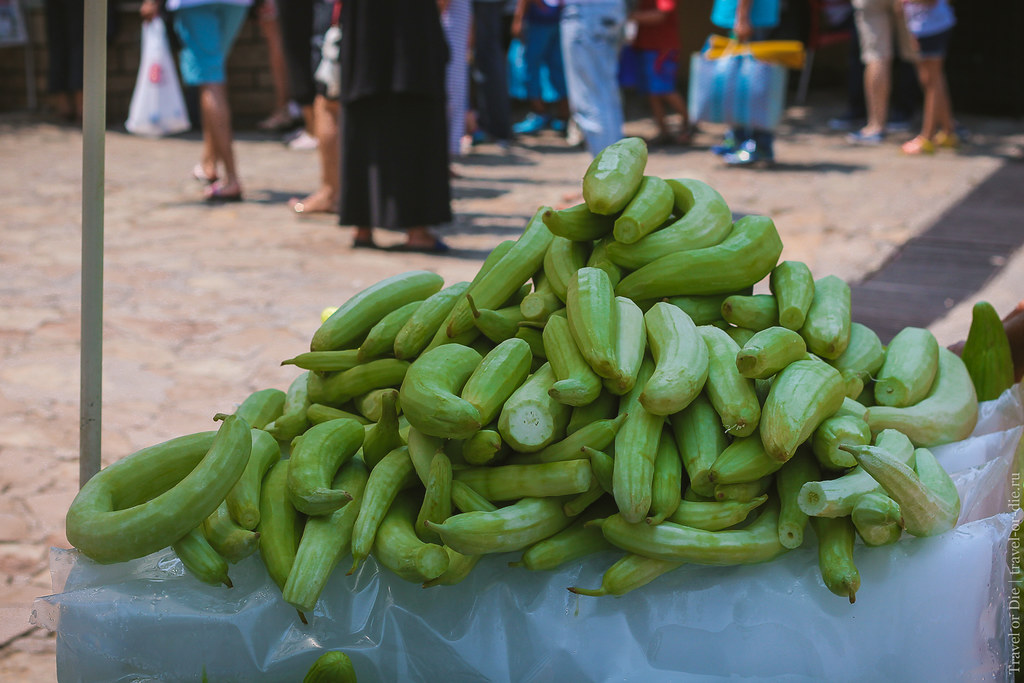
788 53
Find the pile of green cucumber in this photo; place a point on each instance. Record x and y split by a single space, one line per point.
608 380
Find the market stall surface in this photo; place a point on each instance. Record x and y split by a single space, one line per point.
202 303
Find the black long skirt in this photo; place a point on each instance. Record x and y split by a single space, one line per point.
394 162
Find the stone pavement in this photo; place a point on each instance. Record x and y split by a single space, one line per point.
202 303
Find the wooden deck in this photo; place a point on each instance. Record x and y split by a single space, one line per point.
949 261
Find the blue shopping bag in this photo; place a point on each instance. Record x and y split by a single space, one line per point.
736 89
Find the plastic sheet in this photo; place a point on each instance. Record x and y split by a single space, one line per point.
928 609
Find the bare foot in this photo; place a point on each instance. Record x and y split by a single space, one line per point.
320 201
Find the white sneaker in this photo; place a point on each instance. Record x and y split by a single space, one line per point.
573 134
303 141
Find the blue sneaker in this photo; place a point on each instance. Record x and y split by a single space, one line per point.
728 145
533 123
868 139
559 125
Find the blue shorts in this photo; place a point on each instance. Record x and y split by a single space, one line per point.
651 72
934 46
206 33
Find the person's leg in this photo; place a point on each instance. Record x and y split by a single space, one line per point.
590 47
295 17
876 94
325 122
658 114
207 33
534 47
922 143
659 68
271 30
456 23
218 136
489 58
944 121
874 20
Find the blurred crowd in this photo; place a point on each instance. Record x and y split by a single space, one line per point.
391 93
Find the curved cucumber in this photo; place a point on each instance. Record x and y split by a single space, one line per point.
430 392
826 328
576 382
987 353
513 527
630 346
201 560
680 360
614 176
801 397
243 500
751 311
316 459
636 447
577 223
348 325
280 524
701 439
397 547
744 258
498 375
759 542
667 485
948 413
907 373
195 472
706 221
793 286
425 321
494 288
646 211
324 541
836 537
731 393
769 351
380 340
262 407
562 259
531 419
862 358
593 319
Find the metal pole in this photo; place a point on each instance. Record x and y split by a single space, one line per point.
94 117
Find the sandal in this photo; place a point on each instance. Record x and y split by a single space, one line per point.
438 247
277 122
215 194
310 204
947 140
918 145
199 174
365 244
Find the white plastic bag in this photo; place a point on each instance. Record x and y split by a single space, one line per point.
158 106
328 73
928 609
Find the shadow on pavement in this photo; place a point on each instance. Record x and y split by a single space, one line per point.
947 263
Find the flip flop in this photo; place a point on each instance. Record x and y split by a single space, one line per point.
215 194
199 174
438 247
302 207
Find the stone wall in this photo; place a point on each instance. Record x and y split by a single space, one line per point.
250 84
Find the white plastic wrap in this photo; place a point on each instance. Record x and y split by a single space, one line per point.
928 609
